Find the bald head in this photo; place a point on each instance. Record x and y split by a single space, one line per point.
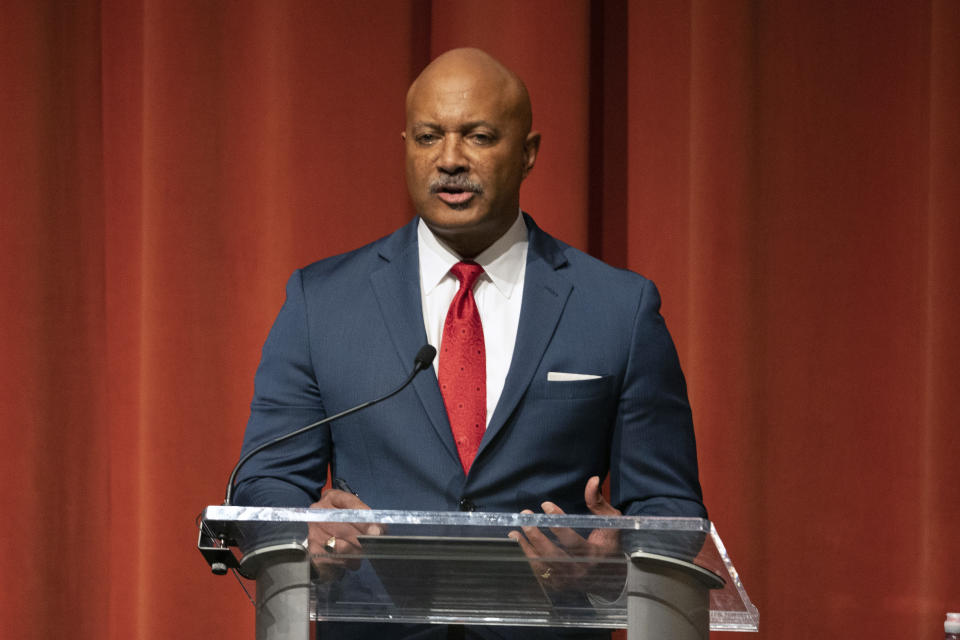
463 70
468 148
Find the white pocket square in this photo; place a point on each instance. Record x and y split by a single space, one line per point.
560 376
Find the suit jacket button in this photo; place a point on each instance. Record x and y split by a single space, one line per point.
466 504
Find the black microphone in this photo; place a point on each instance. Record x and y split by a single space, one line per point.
423 360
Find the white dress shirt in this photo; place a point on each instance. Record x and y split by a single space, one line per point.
498 292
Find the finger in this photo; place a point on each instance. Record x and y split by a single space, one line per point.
568 538
331 555
541 544
334 537
596 503
523 542
538 568
337 537
319 552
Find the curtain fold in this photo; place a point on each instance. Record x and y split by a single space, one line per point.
786 172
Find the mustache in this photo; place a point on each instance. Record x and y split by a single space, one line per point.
457 183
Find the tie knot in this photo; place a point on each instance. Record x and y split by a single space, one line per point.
467 273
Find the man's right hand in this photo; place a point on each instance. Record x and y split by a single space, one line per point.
331 543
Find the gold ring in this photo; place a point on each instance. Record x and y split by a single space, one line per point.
331 544
546 574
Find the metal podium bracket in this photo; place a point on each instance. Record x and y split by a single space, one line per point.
216 548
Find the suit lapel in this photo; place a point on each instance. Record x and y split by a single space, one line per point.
397 288
545 294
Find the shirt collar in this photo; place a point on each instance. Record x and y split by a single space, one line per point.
503 262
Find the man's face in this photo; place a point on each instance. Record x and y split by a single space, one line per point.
467 150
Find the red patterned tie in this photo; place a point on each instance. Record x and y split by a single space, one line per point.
463 366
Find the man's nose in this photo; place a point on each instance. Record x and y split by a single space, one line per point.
451 159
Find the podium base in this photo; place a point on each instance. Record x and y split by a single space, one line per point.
283 591
668 598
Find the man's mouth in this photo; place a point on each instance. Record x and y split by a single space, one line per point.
454 196
455 192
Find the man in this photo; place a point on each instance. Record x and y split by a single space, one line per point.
553 370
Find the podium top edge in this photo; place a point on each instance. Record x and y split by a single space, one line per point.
219 513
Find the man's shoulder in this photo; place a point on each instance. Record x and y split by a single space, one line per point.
581 268
590 266
361 261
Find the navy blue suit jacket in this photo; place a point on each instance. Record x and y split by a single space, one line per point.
349 330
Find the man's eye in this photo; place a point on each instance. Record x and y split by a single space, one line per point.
427 138
482 138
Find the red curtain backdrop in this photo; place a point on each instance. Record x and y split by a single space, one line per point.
788 172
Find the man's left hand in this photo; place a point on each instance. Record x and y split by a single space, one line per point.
600 543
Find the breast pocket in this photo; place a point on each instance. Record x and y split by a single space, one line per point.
575 389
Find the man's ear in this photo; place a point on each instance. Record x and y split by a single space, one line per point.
403 136
531 146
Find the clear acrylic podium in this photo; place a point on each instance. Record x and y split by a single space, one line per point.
666 577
